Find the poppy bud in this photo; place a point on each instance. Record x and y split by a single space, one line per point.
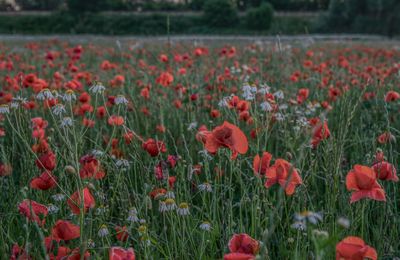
70 169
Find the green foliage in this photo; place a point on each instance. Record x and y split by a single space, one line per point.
362 16
80 6
260 18
220 13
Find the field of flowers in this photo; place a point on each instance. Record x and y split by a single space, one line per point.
187 151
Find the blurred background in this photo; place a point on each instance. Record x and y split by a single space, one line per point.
208 17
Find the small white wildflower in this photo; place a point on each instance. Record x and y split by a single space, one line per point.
279 117
4 109
183 209
66 121
170 195
91 243
299 225
103 231
192 126
309 216
44 94
58 197
52 209
266 106
205 187
283 107
206 226
14 105
101 210
59 109
69 95
264 89
122 164
279 94
97 87
204 153
132 215
343 222
162 207
120 99
249 92
97 153
170 204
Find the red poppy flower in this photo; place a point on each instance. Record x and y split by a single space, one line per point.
392 96
362 181
65 230
321 132
302 95
19 253
165 79
285 174
243 243
116 120
229 136
260 166
354 248
90 168
154 147
119 253
33 211
158 192
385 171
44 182
122 233
385 137
202 134
46 161
239 256
5 169
75 201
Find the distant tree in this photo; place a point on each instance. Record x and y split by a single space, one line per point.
84 6
39 4
260 18
220 13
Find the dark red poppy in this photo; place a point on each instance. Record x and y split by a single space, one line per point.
122 233
65 230
119 253
75 201
44 182
154 147
33 211
46 161
243 243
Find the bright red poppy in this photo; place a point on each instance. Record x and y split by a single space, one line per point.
238 256
91 167
260 165
321 132
354 248
283 173
116 120
75 201
119 253
228 136
362 181
392 96
243 243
